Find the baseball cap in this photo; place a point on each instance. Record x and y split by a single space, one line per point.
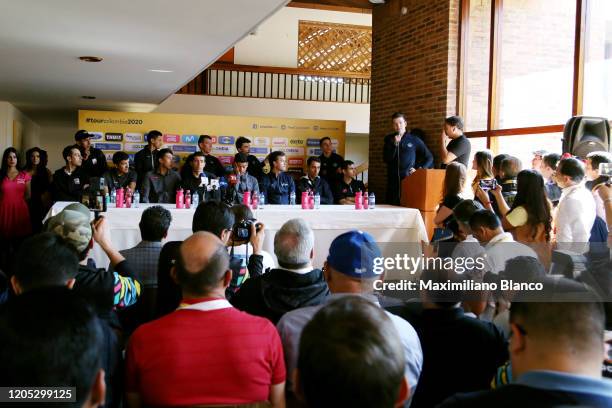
353 254
72 224
81 134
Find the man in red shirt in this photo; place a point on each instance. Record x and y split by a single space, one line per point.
206 352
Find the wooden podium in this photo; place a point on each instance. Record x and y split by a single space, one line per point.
423 190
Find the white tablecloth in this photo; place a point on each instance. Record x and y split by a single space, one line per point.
388 224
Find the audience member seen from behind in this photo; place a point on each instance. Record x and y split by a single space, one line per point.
499 245
40 186
14 214
50 338
452 339
218 219
160 185
347 185
342 369
206 352
576 210
103 289
556 350
468 246
56 265
294 284
454 146
349 270
69 182
496 165
143 259
510 167
605 192
454 182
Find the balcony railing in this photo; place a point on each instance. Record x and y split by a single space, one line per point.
247 81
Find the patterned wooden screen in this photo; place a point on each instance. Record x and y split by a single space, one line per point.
334 47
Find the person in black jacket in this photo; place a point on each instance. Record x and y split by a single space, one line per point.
213 164
404 153
94 160
312 182
146 159
293 285
218 219
69 181
196 180
277 185
556 352
255 169
330 161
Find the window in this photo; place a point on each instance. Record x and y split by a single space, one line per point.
536 64
526 69
477 56
598 60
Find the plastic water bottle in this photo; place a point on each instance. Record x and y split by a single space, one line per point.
317 201
179 199
195 199
262 200
120 199
358 202
187 199
366 200
371 201
292 198
113 196
136 199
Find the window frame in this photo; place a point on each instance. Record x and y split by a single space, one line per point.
495 46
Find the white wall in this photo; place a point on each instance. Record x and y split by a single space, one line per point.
30 130
53 139
274 43
357 116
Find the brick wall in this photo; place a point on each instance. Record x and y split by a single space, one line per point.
414 70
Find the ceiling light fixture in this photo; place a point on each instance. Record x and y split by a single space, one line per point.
88 97
89 58
377 1
163 71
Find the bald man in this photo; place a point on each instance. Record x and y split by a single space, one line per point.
196 355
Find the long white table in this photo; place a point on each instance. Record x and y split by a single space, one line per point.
388 224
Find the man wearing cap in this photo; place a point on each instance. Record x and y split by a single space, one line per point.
69 181
146 159
349 270
94 161
103 289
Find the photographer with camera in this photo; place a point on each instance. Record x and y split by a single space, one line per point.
218 219
240 242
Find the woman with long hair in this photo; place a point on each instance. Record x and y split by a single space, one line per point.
530 217
14 214
483 164
454 182
40 198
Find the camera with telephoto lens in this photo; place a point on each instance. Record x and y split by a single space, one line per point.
242 229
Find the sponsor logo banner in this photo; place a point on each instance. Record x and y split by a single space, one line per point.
296 142
312 142
172 139
222 149
183 148
96 135
133 137
259 150
134 147
226 159
108 146
114 137
314 151
261 141
292 151
109 157
192 139
227 140
279 141
296 162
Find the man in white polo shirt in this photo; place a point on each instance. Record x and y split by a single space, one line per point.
576 210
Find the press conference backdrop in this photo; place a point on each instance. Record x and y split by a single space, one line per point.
298 138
